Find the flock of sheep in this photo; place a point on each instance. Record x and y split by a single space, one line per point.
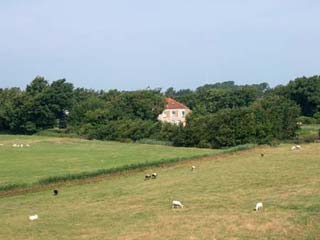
15 145
175 203
178 204
20 145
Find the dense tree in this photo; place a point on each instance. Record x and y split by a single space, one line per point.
223 114
38 85
306 92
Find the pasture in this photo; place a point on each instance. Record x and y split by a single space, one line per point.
218 197
51 156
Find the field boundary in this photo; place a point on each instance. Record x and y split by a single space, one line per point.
66 179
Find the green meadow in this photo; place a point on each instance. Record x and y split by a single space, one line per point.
218 197
51 156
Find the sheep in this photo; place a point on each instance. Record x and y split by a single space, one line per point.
147 177
296 147
154 175
55 192
262 154
33 217
193 168
259 206
177 204
14 145
27 145
1 144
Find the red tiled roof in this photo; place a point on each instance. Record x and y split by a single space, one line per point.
173 104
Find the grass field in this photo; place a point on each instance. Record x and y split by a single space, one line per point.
219 197
50 156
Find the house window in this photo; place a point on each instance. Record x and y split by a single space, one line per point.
183 113
173 112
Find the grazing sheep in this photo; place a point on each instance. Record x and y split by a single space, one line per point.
296 147
154 175
1 144
14 145
33 217
55 192
27 145
193 168
147 177
177 204
259 206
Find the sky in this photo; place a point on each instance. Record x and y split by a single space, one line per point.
135 44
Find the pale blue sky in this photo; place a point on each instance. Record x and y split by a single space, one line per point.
132 44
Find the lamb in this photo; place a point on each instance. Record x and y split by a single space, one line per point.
259 206
154 175
33 217
177 204
147 177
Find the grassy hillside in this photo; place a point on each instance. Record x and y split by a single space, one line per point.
49 156
218 197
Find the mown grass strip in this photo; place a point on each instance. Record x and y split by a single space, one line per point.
121 169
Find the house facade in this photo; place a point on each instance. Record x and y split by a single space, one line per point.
175 112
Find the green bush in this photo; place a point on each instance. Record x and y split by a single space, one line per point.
307 120
317 117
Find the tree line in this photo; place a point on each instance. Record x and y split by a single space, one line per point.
223 114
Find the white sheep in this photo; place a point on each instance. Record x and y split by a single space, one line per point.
147 177
1 144
193 168
259 206
14 145
177 204
27 145
296 147
154 175
33 217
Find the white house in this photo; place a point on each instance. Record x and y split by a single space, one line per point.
174 113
